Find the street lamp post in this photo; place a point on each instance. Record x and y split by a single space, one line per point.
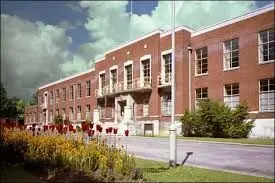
172 128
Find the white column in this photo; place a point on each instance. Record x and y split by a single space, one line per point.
47 117
96 116
127 113
116 110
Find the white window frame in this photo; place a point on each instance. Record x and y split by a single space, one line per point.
88 88
232 97
146 107
270 94
79 90
201 98
71 91
230 52
63 113
114 67
88 111
51 116
200 60
51 97
100 88
64 94
166 52
144 58
128 63
79 110
261 57
165 101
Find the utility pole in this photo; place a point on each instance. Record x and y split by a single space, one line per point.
172 128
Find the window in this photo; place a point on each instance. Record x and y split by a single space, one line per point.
88 88
129 76
57 95
64 94
167 67
88 110
79 90
146 72
63 113
34 117
78 113
266 45
267 92
102 112
57 112
166 104
231 95
113 79
145 107
71 92
201 61
201 93
231 54
102 82
71 113
51 116
51 98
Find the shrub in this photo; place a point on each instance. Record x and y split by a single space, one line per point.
56 152
58 120
213 119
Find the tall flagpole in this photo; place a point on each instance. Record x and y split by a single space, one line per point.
172 128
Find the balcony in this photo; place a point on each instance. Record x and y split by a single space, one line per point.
164 80
121 87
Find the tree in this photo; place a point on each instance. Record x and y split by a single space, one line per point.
20 107
3 100
34 99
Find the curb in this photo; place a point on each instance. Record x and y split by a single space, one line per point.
213 142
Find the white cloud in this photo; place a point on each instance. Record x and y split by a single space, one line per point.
108 22
33 54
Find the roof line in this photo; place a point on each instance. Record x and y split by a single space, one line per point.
67 78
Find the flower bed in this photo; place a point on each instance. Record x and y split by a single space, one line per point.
54 151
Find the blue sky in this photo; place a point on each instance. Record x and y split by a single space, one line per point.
42 41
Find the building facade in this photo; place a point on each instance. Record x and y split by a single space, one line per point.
130 87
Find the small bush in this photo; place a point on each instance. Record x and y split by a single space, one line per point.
213 119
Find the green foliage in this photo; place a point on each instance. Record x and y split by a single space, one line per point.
58 120
34 99
78 128
11 107
213 119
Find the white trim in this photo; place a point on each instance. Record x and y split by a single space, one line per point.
129 62
158 31
233 20
67 78
145 57
231 69
166 52
253 112
266 62
182 27
113 67
101 72
99 60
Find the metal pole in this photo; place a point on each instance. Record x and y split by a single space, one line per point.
172 128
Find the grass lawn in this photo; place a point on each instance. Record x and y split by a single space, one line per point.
242 141
18 175
157 171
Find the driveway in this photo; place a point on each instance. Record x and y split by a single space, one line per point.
236 158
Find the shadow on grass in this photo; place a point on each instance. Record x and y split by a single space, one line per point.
155 170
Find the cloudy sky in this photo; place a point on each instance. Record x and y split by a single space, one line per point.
44 41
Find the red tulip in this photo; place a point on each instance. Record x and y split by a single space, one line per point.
89 132
100 128
30 128
71 127
107 130
33 125
84 126
115 130
110 129
74 130
45 128
65 129
39 129
93 132
126 132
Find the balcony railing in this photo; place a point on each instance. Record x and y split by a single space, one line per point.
164 80
122 86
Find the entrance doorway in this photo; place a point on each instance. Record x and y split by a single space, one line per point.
122 105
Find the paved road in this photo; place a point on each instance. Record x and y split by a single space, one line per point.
244 159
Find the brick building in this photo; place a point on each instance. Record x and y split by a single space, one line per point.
130 87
